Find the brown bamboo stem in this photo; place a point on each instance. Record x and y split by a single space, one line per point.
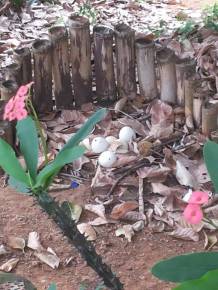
23 57
80 59
209 118
168 88
145 51
13 72
42 97
104 65
8 89
185 68
61 68
125 58
188 95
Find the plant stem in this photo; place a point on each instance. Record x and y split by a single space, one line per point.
39 128
86 249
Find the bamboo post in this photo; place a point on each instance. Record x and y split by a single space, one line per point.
42 97
13 72
145 51
197 111
80 44
125 61
168 88
23 57
185 68
209 118
8 89
104 65
188 94
61 68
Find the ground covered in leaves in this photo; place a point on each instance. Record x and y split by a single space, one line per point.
19 216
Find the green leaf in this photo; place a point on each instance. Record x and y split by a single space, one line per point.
19 186
46 175
27 134
85 130
208 281
52 287
210 152
186 267
10 163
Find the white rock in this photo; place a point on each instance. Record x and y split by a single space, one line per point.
127 134
99 145
107 159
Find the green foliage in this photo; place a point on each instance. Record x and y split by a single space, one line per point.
208 281
27 135
210 17
160 29
210 152
186 267
186 29
10 163
88 11
47 174
99 287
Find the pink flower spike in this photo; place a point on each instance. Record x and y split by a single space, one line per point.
11 116
199 197
193 213
22 114
22 91
9 106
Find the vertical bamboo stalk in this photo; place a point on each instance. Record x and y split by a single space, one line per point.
209 118
13 72
197 111
80 43
189 91
125 61
184 69
104 65
8 89
61 68
23 57
145 51
42 97
168 88
216 80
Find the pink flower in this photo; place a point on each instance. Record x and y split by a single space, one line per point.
198 197
21 114
193 213
15 108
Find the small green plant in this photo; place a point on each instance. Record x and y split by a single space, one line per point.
210 17
90 12
186 29
36 183
160 29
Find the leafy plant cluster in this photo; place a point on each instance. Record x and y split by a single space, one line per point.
196 271
29 180
88 11
210 18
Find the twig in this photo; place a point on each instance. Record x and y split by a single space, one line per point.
4 8
126 173
141 199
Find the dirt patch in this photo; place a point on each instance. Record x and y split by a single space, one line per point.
20 215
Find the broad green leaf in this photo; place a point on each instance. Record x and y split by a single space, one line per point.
27 135
85 130
208 281
19 186
52 287
210 152
64 157
186 267
10 163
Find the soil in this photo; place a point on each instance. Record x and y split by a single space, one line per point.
198 3
19 215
